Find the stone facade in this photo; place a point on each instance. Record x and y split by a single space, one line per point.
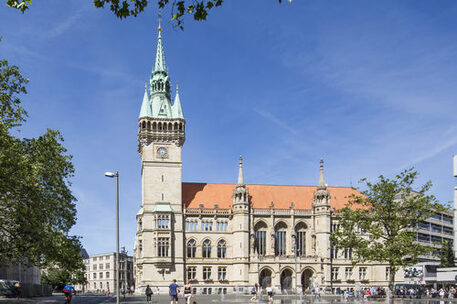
100 272
225 238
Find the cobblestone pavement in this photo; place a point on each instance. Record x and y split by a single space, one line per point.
211 299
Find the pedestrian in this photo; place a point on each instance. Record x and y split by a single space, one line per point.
254 291
17 290
132 289
148 294
67 290
173 292
270 293
188 292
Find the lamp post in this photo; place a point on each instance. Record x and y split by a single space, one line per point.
295 254
116 175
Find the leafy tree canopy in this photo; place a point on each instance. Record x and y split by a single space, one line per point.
199 9
58 278
379 224
37 208
447 255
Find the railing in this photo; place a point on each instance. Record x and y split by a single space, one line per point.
207 211
255 211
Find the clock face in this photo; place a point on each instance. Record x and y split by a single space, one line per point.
162 152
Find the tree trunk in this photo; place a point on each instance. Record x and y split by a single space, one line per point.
392 272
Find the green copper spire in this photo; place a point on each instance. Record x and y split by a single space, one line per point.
177 110
160 55
145 106
160 82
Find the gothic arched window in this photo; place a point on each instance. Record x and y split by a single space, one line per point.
260 238
191 248
280 238
221 249
300 232
206 249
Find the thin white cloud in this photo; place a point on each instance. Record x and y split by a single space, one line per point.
275 120
63 26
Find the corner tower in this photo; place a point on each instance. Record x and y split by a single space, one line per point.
161 135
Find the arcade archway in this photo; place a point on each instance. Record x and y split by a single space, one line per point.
306 279
286 279
265 278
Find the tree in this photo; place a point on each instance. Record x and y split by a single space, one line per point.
37 207
379 224
447 255
199 9
58 277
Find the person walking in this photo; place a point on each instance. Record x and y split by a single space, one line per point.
173 291
17 290
188 292
270 293
254 292
148 294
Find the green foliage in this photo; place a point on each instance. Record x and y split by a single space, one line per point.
37 207
199 9
447 255
58 278
379 225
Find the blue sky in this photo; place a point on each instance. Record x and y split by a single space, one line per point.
369 86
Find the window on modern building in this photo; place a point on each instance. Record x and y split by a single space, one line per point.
191 272
206 249
348 253
163 245
107 266
221 249
448 230
222 273
436 239
334 273
107 257
300 232
362 273
260 238
206 273
163 221
94 267
107 275
191 248
437 228
100 266
424 238
437 216
94 275
447 218
423 225
333 252
280 239
100 275
348 273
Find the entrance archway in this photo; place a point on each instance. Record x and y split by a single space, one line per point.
265 278
286 279
306 278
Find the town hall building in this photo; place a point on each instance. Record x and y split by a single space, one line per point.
224 238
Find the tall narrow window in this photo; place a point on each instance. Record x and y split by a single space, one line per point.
206 273
280 239
335 273
221 249
362 273
163 222
348 253
348 273
300 232
334 252
260 238
163 246
222 273
206 249
191 272
191 248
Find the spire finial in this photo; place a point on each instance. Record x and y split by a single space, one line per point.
160 24
177 89
240 173
321 185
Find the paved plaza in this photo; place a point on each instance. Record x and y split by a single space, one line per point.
210 299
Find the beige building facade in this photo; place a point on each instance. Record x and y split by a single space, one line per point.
224 238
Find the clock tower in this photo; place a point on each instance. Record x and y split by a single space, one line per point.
159 251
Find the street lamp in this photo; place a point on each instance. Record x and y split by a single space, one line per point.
116 175
294 236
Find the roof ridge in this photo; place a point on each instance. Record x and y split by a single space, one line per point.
265 185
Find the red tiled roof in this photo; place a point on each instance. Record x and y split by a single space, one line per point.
194 194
